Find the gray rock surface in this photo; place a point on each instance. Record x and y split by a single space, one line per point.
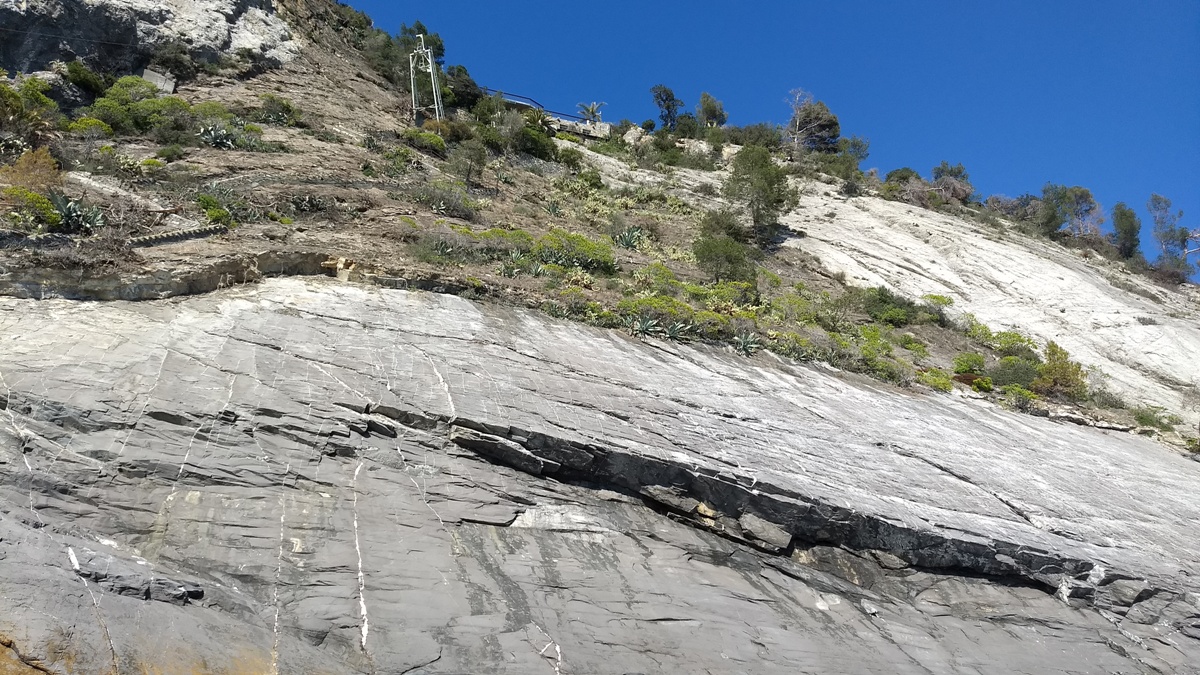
121 34
308 476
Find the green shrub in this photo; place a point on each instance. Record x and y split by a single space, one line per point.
1018 397
176 58
210 112
936 378
207 202
113 114
912 344
884 306
591 178
982 384
723 258
1060 376
424 141
969 362
149 113
711 325
219 216
1013 370
447 199
90 127
663 308
399 160
170 153
1154 416
723 222
568 249
937 300
131 89
571 158
497 241
86 79
535 142
723 294
154 169
657 279
276 111
468 158
28 210
1012 343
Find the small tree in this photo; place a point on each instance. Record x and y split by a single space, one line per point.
668 105
687 126
1127 229
756 180
1060 376
723 259
710 111
900 176
723 223
1176 242
1071 206
1172 238
468 158
812 127
952 181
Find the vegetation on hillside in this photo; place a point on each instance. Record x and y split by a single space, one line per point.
511 203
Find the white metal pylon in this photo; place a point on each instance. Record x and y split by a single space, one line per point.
421 59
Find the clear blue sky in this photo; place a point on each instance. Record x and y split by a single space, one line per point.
1099 93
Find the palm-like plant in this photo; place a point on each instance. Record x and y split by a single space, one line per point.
539 119
591 111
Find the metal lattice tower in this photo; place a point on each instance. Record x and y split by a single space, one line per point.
421 60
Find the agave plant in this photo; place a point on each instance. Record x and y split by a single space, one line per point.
218 137
553 207
677 330
512 268
536 269
631 237
75 216
641 326
747 343
443 248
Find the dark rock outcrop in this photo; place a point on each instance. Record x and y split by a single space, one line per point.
307 476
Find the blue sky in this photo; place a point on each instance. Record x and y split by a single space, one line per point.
1099 93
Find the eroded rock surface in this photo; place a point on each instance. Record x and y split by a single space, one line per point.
120 34
307 476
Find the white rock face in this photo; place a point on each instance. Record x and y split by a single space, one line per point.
1145 338
122 32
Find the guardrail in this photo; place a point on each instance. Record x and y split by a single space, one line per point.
525 100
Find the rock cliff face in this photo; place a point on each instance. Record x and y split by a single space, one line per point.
308 476
1142 336
120 34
